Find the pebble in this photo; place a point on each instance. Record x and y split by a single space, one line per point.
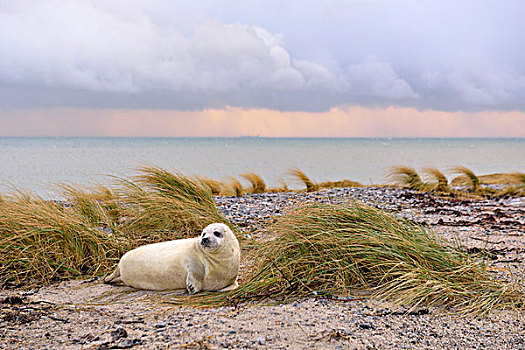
250 210
366 325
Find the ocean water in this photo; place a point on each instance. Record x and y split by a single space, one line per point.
37 164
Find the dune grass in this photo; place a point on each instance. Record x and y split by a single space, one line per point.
215 187
41 241
407 177
339 184
98 206
352 248
440 181
236 187
301 176
469 175
44 240
283 186
257 183
159 205
517 187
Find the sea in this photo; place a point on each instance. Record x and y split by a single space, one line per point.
39 164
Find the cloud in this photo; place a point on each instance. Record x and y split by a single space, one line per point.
476 83
378 79
163 54
86 51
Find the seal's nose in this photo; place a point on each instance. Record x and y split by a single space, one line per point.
205 240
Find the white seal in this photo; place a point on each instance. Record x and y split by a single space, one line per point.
209 262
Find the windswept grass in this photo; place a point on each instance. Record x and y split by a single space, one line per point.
215 187
283 187
258 184
299 174
518 188
469 175
339 184
159 205
41 241
408 177
236 187
98 207
440 182
345 249
520 178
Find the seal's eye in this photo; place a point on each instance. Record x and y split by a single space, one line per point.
217 234
203 233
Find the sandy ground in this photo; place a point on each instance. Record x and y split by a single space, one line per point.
90 315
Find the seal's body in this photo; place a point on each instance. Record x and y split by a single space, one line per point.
209 262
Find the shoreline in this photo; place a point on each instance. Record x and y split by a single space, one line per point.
85 314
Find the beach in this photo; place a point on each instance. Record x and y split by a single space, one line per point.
86 314
313 175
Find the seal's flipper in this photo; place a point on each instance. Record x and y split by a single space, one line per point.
232 286
114 278
193 283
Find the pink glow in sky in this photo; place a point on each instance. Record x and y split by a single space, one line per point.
233 122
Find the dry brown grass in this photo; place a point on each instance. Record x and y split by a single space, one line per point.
257 183
215 187
516 185
339 184
469 175
42 241
235 187
407 177
511 179
439 180
301 176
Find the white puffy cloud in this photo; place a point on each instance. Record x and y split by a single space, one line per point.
91 48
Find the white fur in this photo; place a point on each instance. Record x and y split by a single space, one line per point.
204 263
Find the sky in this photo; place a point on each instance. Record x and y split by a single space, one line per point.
335 68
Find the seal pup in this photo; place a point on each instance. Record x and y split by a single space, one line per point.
209 262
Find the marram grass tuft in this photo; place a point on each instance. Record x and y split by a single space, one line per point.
258 184
215 187
440 183
408 177
351 248
300 175
44 240
468 174
41 241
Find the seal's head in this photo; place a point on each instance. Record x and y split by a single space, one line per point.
213 236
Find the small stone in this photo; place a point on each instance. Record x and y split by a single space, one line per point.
118 333
261 341
160 325
232 332
366 325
